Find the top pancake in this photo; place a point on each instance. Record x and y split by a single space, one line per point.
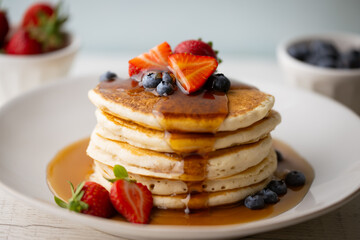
202 112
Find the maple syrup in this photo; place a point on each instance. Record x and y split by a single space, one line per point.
72 164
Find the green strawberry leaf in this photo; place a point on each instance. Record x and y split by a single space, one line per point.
60 202
120 172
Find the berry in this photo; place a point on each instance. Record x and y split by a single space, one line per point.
350 59
254 202
196 47
299 51
22 44
108 76
219 82
89 198
269 196
155 59
168 77
279 187
4 27
132 200
44 24
151 80
279 156
35 12
165 88
323 49
192 71
295 179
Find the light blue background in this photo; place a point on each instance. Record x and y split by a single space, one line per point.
252 27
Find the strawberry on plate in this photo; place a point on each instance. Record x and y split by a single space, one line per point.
132 200
155 59
22 44
197 47
35 12
89 198
192 71
4 26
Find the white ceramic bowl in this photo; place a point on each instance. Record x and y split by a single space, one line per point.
21 73
341 84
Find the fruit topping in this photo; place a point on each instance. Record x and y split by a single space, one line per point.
21 43
108 76
219 82
278 186
325 54
165 88
151 80
155 59
192 71
269 196
295 179
196 47
254 202
89 198
168 77
132 200
4 26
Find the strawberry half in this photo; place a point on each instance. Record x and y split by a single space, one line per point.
21 43
155 59
132 200
192 71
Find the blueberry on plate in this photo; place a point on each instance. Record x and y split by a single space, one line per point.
269 196
295 179
108 76
254 202
168 77
278 186
279 156
299 51
219 82
165 88
151 80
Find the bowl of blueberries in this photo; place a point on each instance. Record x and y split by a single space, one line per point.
326 63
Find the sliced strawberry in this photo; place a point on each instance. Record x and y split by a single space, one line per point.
155 59
132 200
192 71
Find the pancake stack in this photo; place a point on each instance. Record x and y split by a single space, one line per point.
191 151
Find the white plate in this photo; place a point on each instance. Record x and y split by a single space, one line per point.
35 126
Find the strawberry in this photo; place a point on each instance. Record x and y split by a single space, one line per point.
35 12
22 44
196 47
155 59
89 198
192 71
4 26
132 200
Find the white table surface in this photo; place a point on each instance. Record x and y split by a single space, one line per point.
20 221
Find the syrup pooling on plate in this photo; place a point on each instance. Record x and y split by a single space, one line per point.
61 169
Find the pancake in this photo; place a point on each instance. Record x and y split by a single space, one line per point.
202 112
118 129
220 163
161 186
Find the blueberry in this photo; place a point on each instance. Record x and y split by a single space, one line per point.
269 196
299 51
151 80
350 59
279 156
168 77
254 202
108 76
165 88
295 179
219 82
322 61
323 49
279 187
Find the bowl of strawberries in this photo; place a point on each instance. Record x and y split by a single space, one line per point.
35 51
